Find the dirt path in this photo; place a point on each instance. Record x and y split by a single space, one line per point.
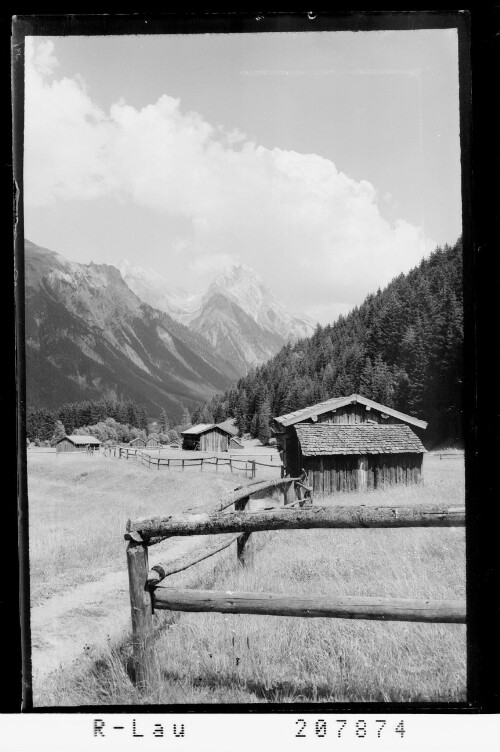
81 621
77 624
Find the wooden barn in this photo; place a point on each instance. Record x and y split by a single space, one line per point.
152 442
229 425
75 443
350 443
206 437
138 442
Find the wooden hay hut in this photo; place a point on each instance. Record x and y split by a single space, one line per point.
76 443
138 442
152 442
206 437
350 443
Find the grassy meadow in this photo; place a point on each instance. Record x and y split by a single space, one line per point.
222 658
79 506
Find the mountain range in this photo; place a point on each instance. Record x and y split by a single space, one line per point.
240 317
93 330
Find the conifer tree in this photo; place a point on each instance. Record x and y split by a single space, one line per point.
59 433
254 426
186 418
242 413
164 421
264 416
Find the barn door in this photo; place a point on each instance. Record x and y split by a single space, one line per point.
363 473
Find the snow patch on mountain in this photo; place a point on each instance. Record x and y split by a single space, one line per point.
238 284
154 290
244 287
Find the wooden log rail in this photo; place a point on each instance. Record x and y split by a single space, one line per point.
147 594
303 519
313 606
160 571
240 497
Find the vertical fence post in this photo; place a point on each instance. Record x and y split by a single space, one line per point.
289 492
244 547
183 464
253 468
230 465
216 464
142 614
201 468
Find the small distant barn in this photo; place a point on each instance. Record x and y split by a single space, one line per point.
207 437
350 443
138 442
152 442
76 443
235 443
175 445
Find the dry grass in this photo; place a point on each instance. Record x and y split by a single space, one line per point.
79 506
215 658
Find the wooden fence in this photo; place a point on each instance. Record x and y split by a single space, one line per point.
249 467
236 526
86 451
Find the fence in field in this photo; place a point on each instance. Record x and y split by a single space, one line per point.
234 463
147 593
53 450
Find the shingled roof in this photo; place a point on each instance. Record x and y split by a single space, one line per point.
228 425
81 439
204 427
332 404
357 438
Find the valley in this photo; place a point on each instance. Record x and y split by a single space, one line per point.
93 331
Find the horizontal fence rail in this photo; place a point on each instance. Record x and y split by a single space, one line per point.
231 522
292 519
160 571
343 607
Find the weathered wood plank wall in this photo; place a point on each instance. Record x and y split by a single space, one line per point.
333 473
214 441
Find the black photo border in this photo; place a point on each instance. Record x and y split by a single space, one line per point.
479 57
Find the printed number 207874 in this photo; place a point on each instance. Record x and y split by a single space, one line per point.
347 727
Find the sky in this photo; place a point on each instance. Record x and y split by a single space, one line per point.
328 162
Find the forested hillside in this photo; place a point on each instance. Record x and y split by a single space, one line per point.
402 347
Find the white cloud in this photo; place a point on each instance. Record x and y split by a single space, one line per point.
279 211
41 57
